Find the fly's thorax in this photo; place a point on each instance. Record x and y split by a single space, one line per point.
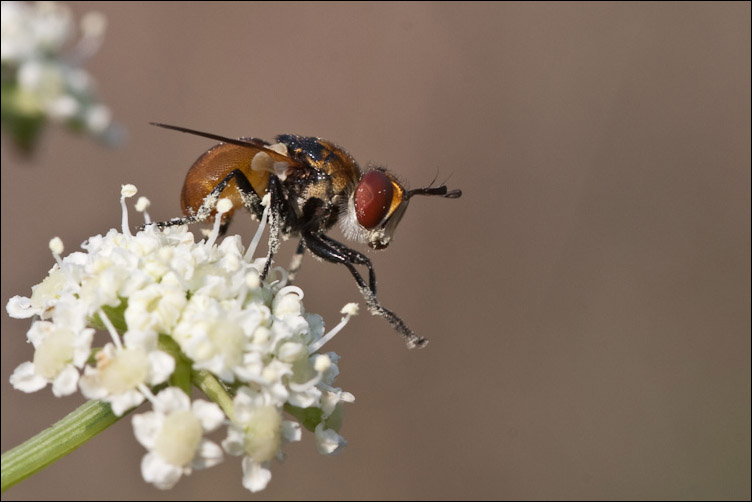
324 156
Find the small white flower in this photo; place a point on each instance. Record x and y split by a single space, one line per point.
120 373
155 308
328 442
287 301
255 476
332 398
214 334
257 433
59 351
173 434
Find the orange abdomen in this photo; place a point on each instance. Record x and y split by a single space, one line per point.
211 168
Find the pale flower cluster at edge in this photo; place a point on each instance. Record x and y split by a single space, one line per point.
42 56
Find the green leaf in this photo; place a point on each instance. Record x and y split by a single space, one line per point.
308 417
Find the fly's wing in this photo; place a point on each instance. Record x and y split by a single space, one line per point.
251 156
252 143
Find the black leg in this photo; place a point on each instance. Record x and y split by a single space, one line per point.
340 254
355 258
251 200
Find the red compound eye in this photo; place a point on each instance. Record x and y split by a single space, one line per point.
373 197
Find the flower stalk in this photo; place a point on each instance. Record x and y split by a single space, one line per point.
55 442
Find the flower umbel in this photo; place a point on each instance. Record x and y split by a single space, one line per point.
170 306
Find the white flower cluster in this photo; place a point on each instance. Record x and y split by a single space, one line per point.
202 306
42 76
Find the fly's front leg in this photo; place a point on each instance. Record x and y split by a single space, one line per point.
338 253
355 258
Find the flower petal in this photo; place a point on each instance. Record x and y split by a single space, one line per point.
255 476
291 431
66 382
25 379
328 442
233 443
161 366
123 402
146 428
158 472
208 455
19 307
172 399
209 414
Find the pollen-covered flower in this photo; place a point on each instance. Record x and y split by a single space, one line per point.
172 305
174 435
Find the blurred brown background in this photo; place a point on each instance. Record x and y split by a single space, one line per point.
587 299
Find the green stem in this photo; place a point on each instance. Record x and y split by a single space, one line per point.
53 443
214 390
181 377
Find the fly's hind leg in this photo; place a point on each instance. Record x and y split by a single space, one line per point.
251 200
